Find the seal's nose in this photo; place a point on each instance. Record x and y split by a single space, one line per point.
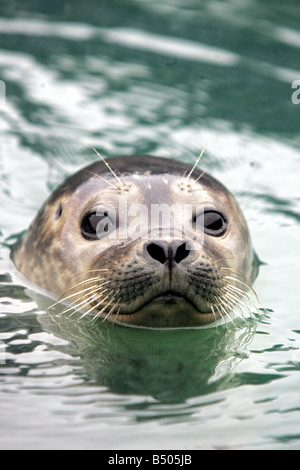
165 252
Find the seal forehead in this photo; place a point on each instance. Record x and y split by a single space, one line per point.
140 166
141 179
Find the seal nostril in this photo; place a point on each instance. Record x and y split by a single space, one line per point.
164 252
181 253
157 252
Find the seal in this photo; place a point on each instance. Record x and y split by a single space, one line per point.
144 241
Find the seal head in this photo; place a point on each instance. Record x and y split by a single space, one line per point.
143 242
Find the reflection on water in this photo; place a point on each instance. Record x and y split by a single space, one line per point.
170 366
168 78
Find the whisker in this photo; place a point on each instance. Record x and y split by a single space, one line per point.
94 306
86 281
101 178
213 311
199 177
224 307
93 296
98 314
109 313
196 163
214 314
76 307
94 286
89 294
236 303
97 305
117 312
183 176
122 176
236 290
79 307
62 298
238 273
86 271
237 309
113 307
244 284
220 313
109 167
232 296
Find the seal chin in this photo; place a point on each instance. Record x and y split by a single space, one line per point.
172 299
167 310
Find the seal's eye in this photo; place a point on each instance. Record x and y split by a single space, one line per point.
211 222
96 225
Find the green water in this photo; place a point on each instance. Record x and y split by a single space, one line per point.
163 77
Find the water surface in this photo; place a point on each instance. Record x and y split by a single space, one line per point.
168 78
